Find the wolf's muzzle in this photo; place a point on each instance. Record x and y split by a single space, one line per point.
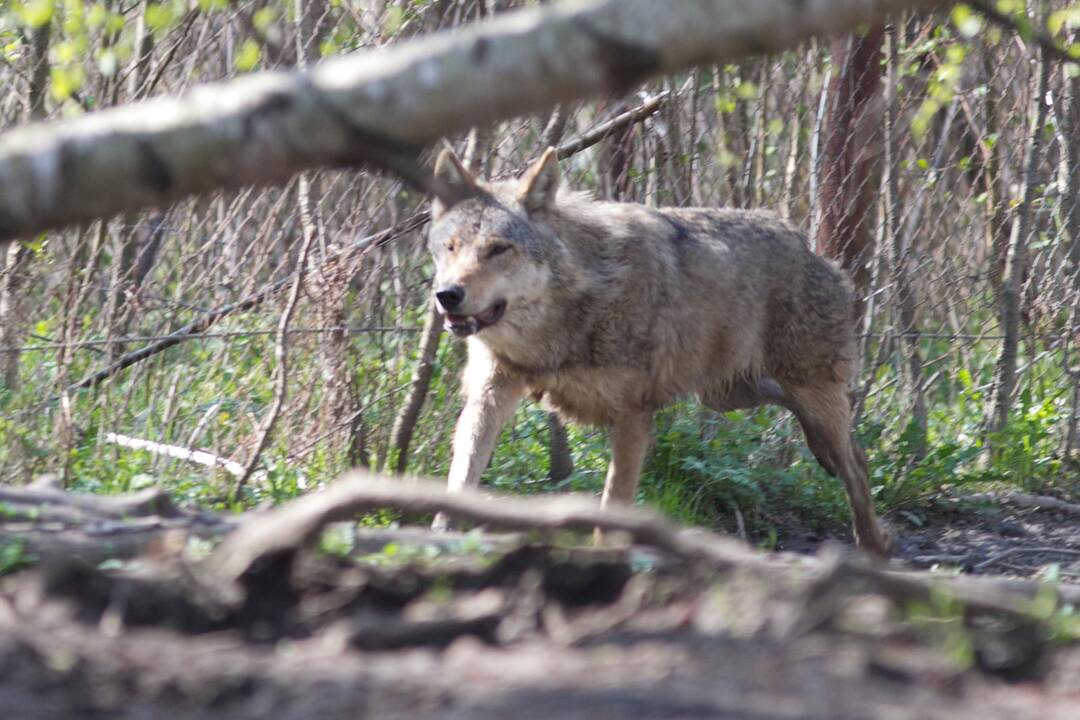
451 297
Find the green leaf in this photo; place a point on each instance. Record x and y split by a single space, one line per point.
746 91
395 18
248 56
1056 22
65 81
96 15
968 23
264 18
37 12
159 17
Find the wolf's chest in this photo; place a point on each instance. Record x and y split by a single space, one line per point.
594 396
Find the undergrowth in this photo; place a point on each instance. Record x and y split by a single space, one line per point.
741 472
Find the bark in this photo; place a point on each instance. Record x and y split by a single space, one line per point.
405 422
850 158
290 526
560 461
1016 263
609 128
382 107
996 217
555 126
1071 225
903 260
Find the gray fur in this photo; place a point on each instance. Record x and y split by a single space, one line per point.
613 310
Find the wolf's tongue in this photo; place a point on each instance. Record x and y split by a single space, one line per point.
456 319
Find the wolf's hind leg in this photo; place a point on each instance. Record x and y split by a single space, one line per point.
631 435
825 415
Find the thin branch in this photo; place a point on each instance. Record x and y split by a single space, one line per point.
1010 552
198 327
605 129
417 221
383 107
1026 29
281 356
199 457
1025 501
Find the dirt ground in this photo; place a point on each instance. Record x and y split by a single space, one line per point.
525 626
977 536
981 538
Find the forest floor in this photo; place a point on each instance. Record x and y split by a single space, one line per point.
128 607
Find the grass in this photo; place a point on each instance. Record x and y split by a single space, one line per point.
704 468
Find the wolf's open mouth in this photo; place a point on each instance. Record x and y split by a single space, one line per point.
465 325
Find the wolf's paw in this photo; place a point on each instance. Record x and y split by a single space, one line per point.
881 542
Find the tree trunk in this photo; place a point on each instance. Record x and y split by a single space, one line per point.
407 417
903 258
560 461
850 158
1016 262
1071 225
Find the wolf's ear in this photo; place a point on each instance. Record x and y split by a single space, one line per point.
453 182
540 183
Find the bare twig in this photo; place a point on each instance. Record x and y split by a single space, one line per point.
281 350
199 457
198 327
1004 554
415 222
609 127
1024 500
383 107
1026 30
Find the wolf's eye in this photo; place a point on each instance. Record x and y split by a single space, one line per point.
497 250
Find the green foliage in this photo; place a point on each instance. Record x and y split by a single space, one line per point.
703 468
247 56
942 621
13 557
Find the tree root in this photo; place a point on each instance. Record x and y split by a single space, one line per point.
1023 501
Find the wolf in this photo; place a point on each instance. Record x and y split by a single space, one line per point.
607 312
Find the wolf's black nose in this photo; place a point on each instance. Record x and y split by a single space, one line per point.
450 297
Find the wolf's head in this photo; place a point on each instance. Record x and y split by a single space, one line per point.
491 245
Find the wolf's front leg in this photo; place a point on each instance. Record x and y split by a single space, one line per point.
630 439
490 402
